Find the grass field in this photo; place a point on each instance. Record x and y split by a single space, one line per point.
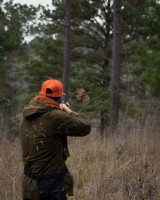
123 166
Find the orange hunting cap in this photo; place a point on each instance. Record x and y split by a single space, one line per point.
52 88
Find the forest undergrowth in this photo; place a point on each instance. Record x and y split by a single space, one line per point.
123 166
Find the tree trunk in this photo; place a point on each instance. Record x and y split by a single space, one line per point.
66 48
106 65
115 71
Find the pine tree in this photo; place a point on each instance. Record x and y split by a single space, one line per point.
13 21
66 47
115 80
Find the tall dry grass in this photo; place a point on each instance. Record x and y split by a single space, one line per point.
124 166
10 168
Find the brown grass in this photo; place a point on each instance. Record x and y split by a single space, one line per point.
124 166
10 169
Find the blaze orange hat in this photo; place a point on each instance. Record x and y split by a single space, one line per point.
52 88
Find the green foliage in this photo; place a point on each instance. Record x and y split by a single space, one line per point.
140 79
88 49
151 75
25 66
14 25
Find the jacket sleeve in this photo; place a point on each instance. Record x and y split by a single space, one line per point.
73 124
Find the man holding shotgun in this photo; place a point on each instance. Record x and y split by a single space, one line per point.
43 131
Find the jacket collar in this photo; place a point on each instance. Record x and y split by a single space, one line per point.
48 101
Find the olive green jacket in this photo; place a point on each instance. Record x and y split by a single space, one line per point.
43 134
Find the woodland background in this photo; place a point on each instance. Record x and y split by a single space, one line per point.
125 165
26 64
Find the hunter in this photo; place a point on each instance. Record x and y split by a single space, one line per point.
44 128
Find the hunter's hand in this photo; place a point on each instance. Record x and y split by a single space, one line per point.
65 108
